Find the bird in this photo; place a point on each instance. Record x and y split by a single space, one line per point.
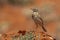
37 19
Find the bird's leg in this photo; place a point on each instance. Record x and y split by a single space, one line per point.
36 23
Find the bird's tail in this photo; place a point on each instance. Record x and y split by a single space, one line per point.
42 24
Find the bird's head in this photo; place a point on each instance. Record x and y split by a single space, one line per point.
35 10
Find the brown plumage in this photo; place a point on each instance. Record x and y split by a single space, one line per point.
38 20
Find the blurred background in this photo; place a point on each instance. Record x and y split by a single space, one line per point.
16 15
